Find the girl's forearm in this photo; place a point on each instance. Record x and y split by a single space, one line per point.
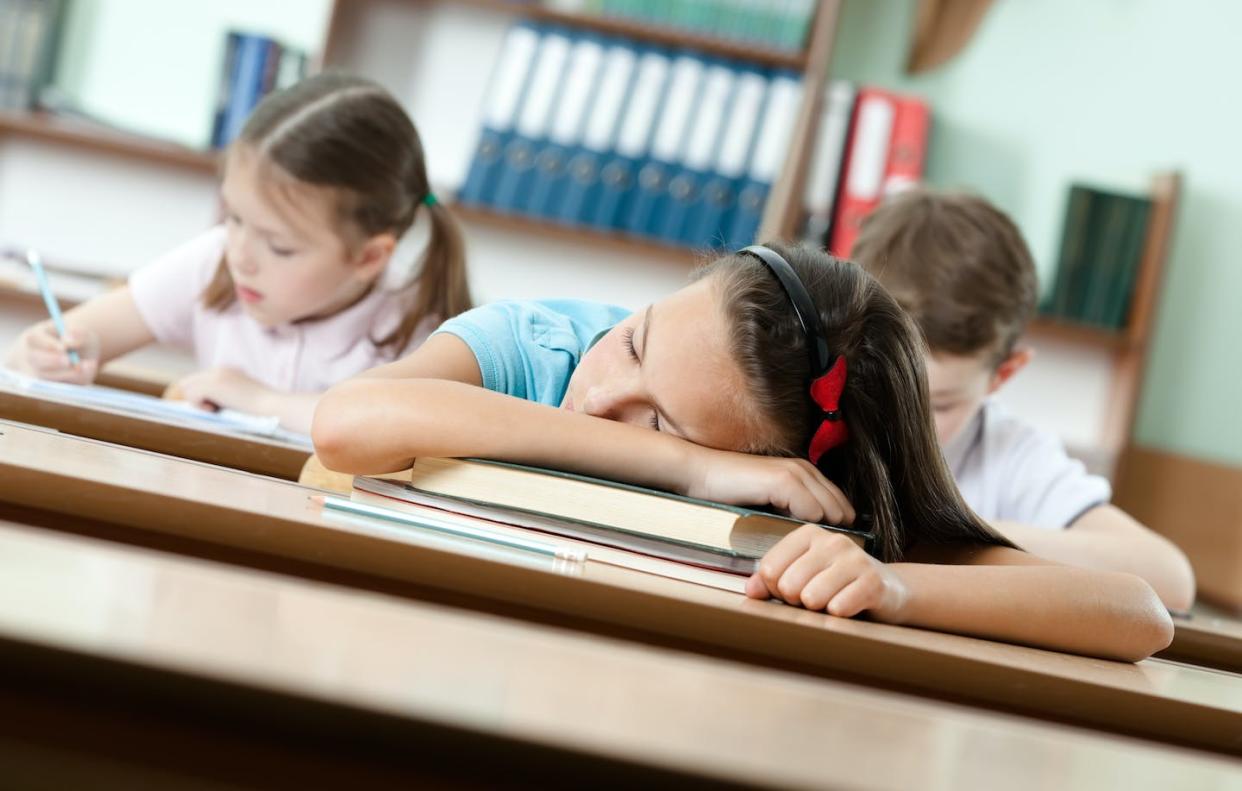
1096 613
1107 538
368 426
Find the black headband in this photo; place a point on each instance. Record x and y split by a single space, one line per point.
803 305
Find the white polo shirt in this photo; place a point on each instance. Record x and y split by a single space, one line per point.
1008 470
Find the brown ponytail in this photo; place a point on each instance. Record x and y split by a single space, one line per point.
440 289
891 467
348 133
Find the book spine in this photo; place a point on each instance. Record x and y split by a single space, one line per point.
866 162
907 148
1106 267
1073 243
228 70
1080 272
824 177
32 22
1117 315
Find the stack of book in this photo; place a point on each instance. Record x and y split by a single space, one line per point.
777 24
583 509
29 36
1101 251
672 146
872 144
253 66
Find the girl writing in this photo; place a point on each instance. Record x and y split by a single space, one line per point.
285 298
779 377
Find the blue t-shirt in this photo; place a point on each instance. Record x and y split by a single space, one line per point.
530 349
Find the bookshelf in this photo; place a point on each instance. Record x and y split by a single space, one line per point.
84 134
651 34
1124 351
784 203
346 34
481 216
384 39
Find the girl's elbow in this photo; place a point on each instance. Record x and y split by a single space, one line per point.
1151 626
335 427
1180 593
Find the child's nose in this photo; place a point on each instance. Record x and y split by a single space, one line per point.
612 402
242 260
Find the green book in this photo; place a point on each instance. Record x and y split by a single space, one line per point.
795 24
1100 279
633 518
1073 250
700 15
1116 314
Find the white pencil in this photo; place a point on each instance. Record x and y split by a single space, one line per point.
438 525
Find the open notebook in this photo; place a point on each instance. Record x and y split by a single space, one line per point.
226 420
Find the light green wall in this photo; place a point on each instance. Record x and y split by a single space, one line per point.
1103 91
153 66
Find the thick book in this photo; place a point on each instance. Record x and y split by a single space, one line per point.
633 518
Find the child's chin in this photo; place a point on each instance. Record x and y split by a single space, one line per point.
263 317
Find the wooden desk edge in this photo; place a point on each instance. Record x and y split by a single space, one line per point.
249 454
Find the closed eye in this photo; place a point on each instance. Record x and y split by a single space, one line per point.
627 338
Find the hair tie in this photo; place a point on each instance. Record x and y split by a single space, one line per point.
826 392
430 199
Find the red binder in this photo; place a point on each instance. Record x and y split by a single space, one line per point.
907 153
887 151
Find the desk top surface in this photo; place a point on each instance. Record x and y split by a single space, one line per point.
71 475
538 684
252 453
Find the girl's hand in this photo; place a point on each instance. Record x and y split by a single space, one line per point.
792 486
40 352
222 388
819 569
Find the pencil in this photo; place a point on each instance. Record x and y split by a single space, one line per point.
439 525
49 299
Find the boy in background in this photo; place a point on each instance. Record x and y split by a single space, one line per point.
960 267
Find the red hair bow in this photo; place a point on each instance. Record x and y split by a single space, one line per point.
826 392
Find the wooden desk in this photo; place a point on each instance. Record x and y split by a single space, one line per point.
250 453
1207 641
91 487
208 673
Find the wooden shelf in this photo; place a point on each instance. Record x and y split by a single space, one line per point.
637 246
1082 334
643 31
97 137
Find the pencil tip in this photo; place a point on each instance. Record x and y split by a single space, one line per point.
317 499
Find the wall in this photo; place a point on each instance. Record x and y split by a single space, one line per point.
1046 93
154 66
1106 92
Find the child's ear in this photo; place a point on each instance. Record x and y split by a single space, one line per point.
372 257
1018 359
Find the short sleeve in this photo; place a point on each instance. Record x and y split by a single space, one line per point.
1044 487
167 290
530 349
509 340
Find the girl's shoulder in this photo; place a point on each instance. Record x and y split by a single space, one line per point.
167 291
529 348
190 265
577 311
527 317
